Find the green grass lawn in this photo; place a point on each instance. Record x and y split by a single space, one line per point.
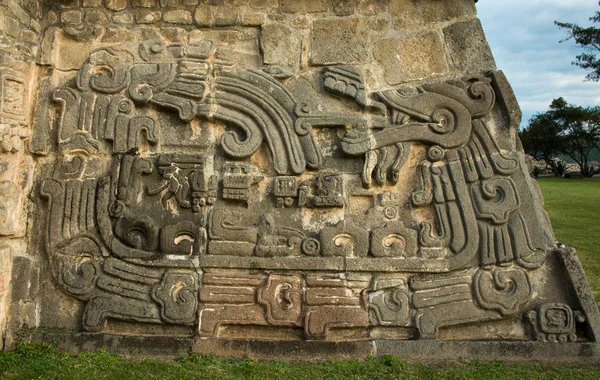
574 208
30 362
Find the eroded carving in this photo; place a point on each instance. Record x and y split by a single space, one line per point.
555 323
443 233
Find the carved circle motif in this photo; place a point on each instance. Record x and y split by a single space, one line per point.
125 106
446 121
311 247
390 212
435 153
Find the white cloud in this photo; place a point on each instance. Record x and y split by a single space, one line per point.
525 44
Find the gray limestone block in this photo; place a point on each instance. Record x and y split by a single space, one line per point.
21 277
467 48
408 14
280 46
422 55
339 41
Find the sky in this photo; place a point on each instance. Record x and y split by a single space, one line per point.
525 44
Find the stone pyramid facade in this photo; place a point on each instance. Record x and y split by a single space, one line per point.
279 179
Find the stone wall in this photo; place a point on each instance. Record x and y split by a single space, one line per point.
339 174
20 31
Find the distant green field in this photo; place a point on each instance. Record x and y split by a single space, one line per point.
574 209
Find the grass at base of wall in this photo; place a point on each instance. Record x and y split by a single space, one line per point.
33 362
574 209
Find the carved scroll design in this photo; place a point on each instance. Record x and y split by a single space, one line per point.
111 287
504 290
183 79
277 300
129 242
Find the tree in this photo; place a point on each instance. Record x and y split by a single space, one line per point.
540 139
589 39
564 129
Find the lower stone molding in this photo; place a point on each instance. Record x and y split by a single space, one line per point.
411 350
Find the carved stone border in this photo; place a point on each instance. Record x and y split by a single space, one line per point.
415 350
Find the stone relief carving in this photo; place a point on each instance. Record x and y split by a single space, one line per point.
555 323
257 227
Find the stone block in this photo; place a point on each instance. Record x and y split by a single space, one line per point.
116 5
21 277
12 27
174 34
226 16
71 17
178 16
422 55
92 3
252 19
204 16
52 17
123 18
143 3
263 4
68 3
29 36
344 7
409 13
280 46
467 49
5 269
147 17
33 7
95 18
336 41
313 6
35 26
372 7
306 6
19 13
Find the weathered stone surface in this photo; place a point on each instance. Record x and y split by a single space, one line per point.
19 13
253 19
263 4
344 8
467 49
423 56
408 13
123 18
177 17
21 277
339 41
144 3
71 17
12 27
372 7
316 179
226 16
92 3
280 46
116 5
204 16
147 17
307 6
97 18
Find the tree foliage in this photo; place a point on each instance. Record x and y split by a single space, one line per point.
589 39
564 129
